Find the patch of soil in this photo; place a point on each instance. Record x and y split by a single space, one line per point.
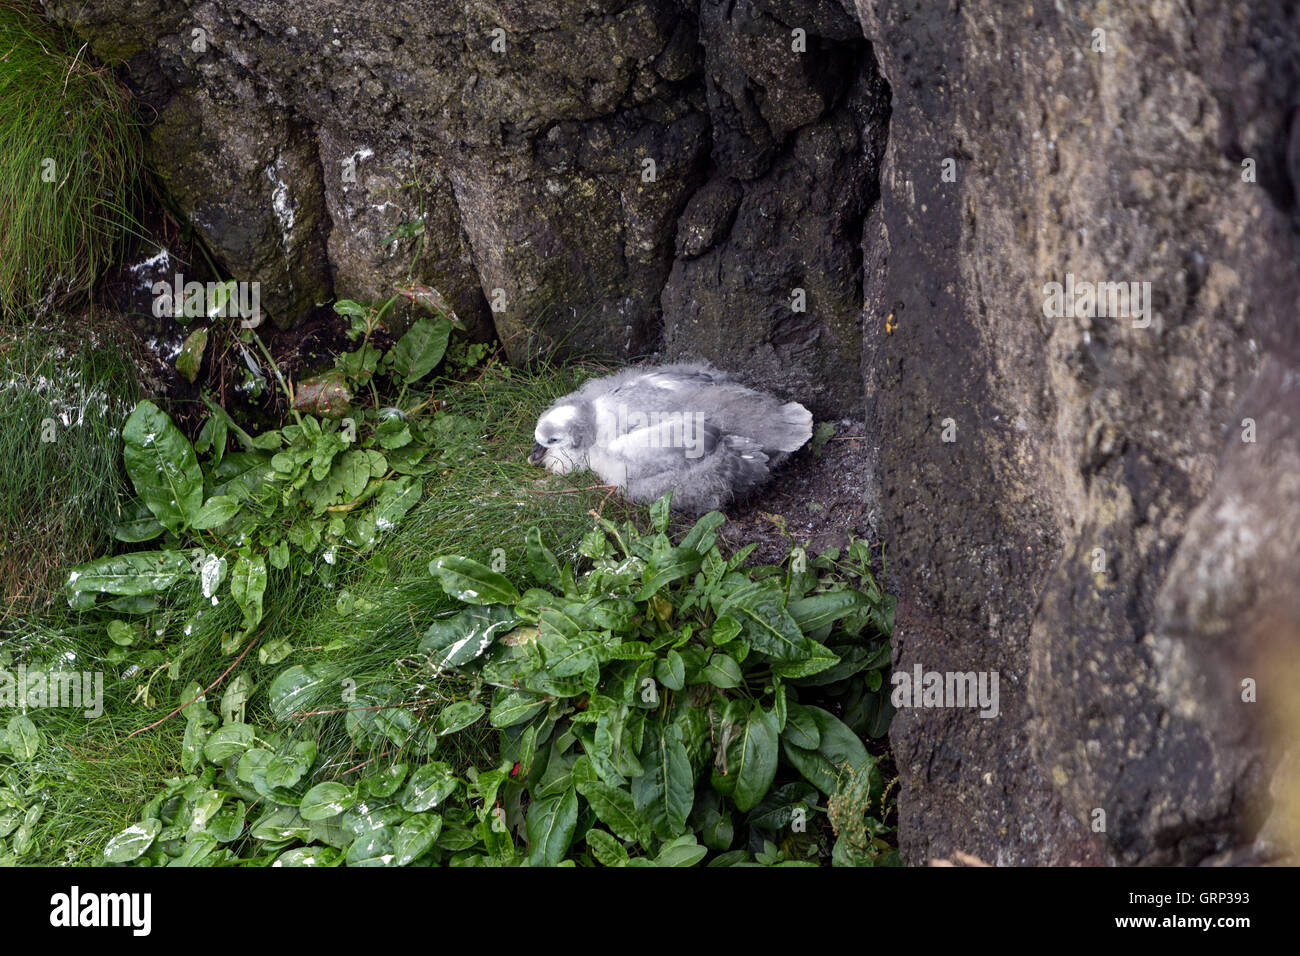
823 494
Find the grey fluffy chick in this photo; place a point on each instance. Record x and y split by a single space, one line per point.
686 428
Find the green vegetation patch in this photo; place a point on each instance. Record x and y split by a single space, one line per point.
63 399
72 155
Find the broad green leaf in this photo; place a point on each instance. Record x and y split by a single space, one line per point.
141 572
269 441
659 513
464 636
759 607
419 351
215 512
701 537
607 850
192 742
162 466
542 563
252 766
397 724
665 793
567 657
671 671
394 433
330 831
353 467
196 851
285 770
800 728
228 741
666 567
242 471
611 753
131 843
820 660
327 447
683 851
471 582
820 610
777 809
414 836
850 659
363 819
722 671
280 824
562 623
385 783
350 308
615 808
247 585
136 523
515 708
429 786
277 555
725 630
755 766
395 499
205 807
326 800
228 825
459 715
138 604
308 856
297 687
274 652
121 633
838 751
549 825
25 738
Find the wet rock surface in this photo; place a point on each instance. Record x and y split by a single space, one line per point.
1056 539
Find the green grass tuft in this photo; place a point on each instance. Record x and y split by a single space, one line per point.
63 399
73 152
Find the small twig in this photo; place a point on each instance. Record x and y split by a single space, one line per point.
73 65
600 509
201 693
364 762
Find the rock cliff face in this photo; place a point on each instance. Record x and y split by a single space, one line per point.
1099 530
863 208
604 175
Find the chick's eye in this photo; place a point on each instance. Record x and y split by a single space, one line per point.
552 441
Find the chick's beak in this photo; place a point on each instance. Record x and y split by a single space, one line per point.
537 454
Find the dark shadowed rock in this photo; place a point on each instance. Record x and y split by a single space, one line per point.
532 163
1043 541
230 163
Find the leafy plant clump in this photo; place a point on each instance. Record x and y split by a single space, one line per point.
330 482
92 777
73 152
657 704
